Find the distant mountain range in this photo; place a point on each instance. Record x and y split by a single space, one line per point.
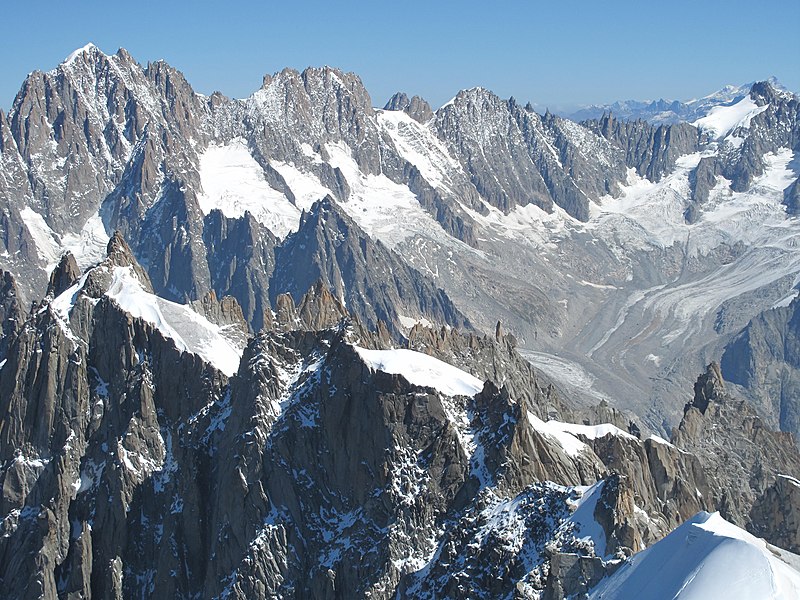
664 112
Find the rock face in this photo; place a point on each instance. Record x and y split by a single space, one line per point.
651 150
89 400
363 274
11 314
765 359
745 459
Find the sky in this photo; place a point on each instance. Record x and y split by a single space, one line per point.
556 54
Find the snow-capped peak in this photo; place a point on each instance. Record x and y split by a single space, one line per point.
88 48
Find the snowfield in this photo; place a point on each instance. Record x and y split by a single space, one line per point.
234 183
706 557
722 120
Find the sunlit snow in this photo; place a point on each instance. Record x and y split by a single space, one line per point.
418 145
706 557
88 246
423 370
234 182
721 120
190 331
306 187
47 246
386 210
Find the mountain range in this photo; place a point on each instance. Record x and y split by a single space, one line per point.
295 345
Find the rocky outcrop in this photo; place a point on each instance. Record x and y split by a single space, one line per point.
310 472
415 107
64 275
701 180
651 150
776 514
91 400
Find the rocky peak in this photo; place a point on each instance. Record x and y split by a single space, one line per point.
119 254
223 311
709 387
76 127
88 54
64 275
187 110
118 251
319 308
738 450
417 108
762 93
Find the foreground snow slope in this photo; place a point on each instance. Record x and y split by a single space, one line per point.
706 557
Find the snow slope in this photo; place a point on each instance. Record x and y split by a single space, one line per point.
88 246
704 558
423 370
234 182
418 145
191 332
721 120
386 210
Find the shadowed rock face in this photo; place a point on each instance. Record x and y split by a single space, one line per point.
364 275
765 359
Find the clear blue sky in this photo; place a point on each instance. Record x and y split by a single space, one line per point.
551 53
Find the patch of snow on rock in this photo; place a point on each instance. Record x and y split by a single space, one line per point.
422 370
